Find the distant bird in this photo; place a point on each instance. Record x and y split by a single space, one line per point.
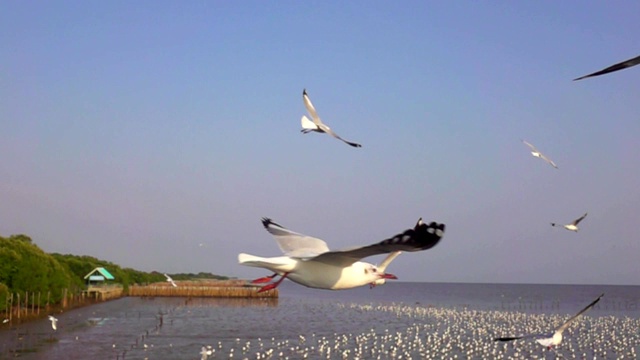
574 225
555 338
619 66
169 279
540 155
205 353
309 262
5 321
54 322
317 125
383 267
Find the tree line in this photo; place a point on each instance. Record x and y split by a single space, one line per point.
25 268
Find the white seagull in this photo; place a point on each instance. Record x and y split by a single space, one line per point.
382 268
169 279
555 338
619 66
5 321
540 155
54 322
574 225
317 125
309 262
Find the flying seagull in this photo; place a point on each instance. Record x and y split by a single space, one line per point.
540 155
555 338
619 66
317 125
169 279
383 266
54 322
309 262
574 225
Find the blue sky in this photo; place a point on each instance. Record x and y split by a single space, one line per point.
135 131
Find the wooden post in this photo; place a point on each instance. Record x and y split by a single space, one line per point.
18 305
38 302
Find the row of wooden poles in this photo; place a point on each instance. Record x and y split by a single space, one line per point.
27 305
201 291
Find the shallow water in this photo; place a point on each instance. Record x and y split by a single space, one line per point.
408 320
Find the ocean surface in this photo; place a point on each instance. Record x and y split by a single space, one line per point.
396 320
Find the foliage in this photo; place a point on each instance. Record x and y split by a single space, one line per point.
24 267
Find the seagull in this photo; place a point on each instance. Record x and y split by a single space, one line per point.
317 124
169 279
383 266
205 353
5 321
309 262
54 322
555 338
540 155
574 225
619 66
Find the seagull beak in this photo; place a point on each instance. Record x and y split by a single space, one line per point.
388 276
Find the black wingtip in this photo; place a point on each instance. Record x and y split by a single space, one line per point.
266 221
304 92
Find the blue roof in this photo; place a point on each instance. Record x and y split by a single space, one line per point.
107 275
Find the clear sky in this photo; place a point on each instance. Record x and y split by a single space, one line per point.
136 131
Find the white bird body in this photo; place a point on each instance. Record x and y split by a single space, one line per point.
54 322
315 124
554 339
309 262
169 279
536 153
574 225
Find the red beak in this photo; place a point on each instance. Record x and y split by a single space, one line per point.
388 276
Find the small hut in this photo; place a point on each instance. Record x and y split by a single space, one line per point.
98 276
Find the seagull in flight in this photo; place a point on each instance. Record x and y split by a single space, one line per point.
309 262
54 322
574 225
169 279
317 125
540 155
555 338
619 66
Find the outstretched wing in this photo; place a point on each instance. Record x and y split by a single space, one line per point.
619 66
328 130
548 160
294 244
564 326
310 108
576 221
383 266
511 338
421 237
530 146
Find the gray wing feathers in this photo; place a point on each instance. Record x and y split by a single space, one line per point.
421 237
294 244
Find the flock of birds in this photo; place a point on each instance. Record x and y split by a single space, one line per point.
309 261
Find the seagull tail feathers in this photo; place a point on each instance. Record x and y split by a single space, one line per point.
275 264
307 125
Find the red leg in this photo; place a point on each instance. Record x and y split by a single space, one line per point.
264 279
273 285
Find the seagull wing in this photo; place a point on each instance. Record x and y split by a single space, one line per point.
548 160
383 266
421 237
619 66
576 221
310 108
530 146
294 244
564 326
328 130
511 338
